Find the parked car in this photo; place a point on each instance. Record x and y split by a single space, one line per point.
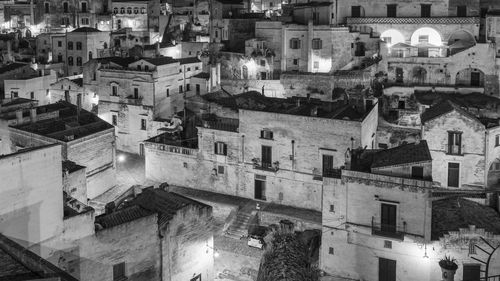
256 237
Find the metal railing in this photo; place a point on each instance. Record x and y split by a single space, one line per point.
388 230
491 278
332 173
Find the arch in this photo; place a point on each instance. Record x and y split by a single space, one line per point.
419 75
426 35
392 37
470 77
461 35
115 10
122 10
129 10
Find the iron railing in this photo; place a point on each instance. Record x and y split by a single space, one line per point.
332 173
388 230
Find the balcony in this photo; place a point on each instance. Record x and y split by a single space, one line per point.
221 124
388 230
265 166
414 20
332 173
132 100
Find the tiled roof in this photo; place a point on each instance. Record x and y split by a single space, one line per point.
160 60
403 154
149 202
189 60
12 270
202 75
443 107
451 214
86 29
118 60
12 66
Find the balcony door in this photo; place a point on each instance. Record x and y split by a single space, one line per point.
388 218
327 165
267 156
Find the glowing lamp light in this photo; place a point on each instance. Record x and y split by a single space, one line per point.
121 158
216 254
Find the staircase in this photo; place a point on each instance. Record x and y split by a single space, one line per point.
238 228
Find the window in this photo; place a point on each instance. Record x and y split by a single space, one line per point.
143 10
388 218
455 143
471 272
497 140
136 93
386 270
32 95
90 55
59 43
484 11
332 209
146 67
84 7
143 124
168 92
260 187
66 7
266 134
70 61
330 251
180 70
122 10
461 11
327 165
220 148
423 39
267 156
180 89
189 69
220 170
115 10
317 44
94 76
78 45
65 21
114 120
114 90
316 64
295 43
129 10
136 10
78 61
59 58
425 10
14 94
453 174
392 10
47 7
196 68
387 244
188 87
315 17
417 172
119 271
295 61
70 45
355 11
262 62
85 21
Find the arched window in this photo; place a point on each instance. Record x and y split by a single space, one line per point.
115 10
146 67
47 7
65 7
84 7
70 61
90 55
136 10
122 10
70 45
79 61
129 10
143 10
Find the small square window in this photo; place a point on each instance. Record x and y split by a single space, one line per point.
185 165
332 208
295 61
330 251
143 124
220 148
220 170
266 134
262 62
189 69
387 244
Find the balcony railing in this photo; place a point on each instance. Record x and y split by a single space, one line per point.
332 173
221 125
413 20
265 166
388 230
176 149
454 150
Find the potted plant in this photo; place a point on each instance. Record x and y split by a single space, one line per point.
448 268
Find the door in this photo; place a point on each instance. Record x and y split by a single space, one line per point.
386 270
197 89
263 76
399 75
267 156
472 272
141 149
388 218
453 174
475 79
327 165
260 189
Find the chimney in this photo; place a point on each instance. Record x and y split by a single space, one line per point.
33 115
78 106
19 116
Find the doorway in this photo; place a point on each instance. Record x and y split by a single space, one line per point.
388 218
399 75
260 187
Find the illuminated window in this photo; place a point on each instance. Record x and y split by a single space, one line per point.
423 39
317 44
295 43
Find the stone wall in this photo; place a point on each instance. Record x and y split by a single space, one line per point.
75 184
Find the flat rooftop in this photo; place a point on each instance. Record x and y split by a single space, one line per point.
293 106
68 126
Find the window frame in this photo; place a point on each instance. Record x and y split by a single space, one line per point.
317 44
392 10
294 43
144 124
220 148
454 140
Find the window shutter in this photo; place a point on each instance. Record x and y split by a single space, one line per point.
271 135
291 43
262 134
225 149
215 148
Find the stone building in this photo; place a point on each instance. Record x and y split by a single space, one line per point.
14 70
85 139
383 218
463 147
138 95
32 87
68 89
77 47
267 149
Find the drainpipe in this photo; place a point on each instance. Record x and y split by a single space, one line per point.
243 149
486 153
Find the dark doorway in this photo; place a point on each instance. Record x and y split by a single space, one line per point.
263 76
475 79
388 218
417 172
399 75
260 189
386 270
472 272
453 174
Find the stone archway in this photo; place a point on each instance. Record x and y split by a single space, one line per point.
419 75
461 35
426 35
472 77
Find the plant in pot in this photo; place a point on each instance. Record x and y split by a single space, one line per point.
448 268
